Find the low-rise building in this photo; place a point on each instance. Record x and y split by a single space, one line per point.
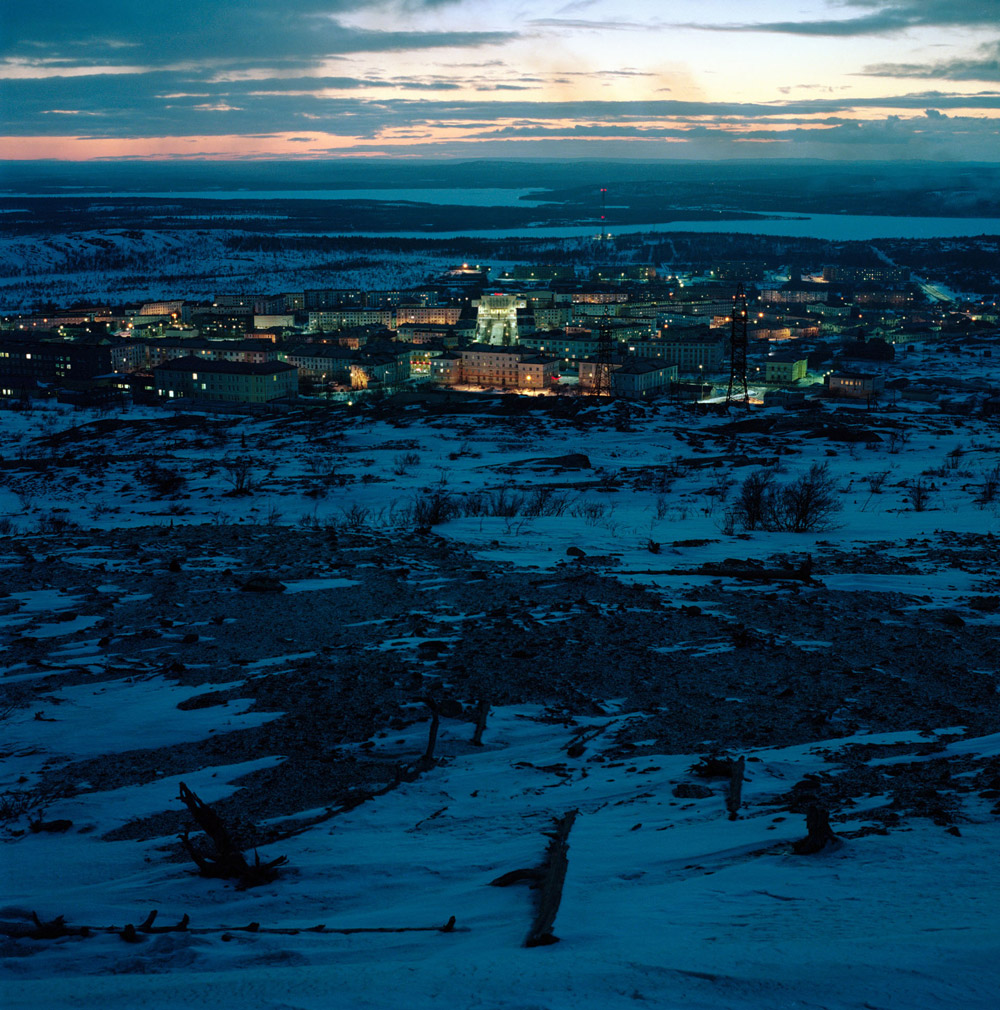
787 398
489 365
795 294
446 369
344 318
871 274
47 358
537 371
570 345
383 365
265 320
495 366
146 354
855 385
632 378
783 369
642 379
231 381
322 362
427 334
691 351
551 317
427 315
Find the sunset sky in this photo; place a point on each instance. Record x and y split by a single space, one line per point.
841 79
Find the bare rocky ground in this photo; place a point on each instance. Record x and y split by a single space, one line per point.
743 664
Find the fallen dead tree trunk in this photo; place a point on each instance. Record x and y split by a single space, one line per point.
576 747
226 860
549 878
57 929
402 772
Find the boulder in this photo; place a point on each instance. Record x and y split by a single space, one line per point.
261 583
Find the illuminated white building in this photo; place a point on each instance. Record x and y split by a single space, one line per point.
496 321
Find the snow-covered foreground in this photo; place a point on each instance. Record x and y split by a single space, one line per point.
580 571
665 900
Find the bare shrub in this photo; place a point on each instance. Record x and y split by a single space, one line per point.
721 484
810 502
543 501
505 503
162 480
475 505
51 522
356 516
465 449
876 480
20 803
434 506
240 474
754 504
322 466
897 439
804 505
591 512
990 487
918 494
402 463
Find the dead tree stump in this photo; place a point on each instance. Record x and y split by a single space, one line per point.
427 761
820 832
735 796
482 712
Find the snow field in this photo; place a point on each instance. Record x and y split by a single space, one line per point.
686 909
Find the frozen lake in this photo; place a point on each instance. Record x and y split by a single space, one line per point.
833 227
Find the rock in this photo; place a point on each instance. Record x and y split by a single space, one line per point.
190 638
432 646
988 604
260 583
691 791
174 566
54 827
575 552
571 461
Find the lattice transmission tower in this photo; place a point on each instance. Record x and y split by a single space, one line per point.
738 392
602 369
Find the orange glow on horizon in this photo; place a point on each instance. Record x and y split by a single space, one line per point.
397 141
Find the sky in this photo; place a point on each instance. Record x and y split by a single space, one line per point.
466 79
